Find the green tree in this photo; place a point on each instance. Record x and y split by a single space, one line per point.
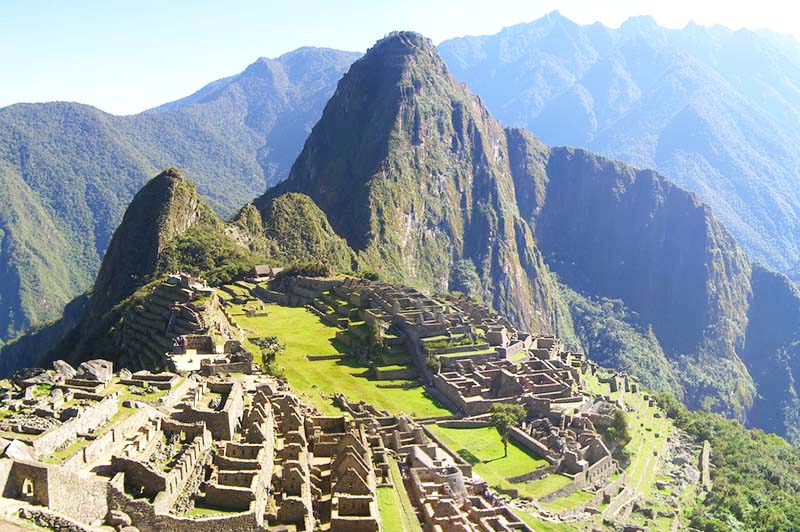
504 417
374 340
270 348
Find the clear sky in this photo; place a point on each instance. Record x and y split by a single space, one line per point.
127 56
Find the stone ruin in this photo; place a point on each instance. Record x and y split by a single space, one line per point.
196 449
199 352
245 450
482 360
441 485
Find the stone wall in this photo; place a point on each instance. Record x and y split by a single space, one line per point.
106 444
229 497
56 488
76 496
531 444
452 361
222 423
51 521
144 517
271 296
599 472
705 465
28 481
89 419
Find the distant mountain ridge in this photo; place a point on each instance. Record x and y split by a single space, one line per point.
68 170
713 109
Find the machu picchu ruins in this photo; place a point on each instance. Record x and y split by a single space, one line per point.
210 438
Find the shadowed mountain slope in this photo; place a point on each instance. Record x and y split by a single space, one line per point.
715 110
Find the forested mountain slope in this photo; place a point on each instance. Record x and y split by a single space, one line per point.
422 182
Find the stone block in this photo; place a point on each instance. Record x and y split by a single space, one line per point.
98 370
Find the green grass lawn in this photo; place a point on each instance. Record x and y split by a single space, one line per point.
545 526
397 513
304 333
568 502
202 511
483 448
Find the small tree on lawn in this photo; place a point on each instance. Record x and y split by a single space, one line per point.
270 348
504 418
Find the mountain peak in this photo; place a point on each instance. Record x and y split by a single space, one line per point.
640 23
403 40
170 174
166 206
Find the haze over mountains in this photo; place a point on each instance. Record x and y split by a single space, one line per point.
715 110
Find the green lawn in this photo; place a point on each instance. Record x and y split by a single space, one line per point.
483 448
568 502
397 512
304 333
545 526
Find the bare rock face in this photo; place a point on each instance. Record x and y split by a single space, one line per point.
98 370
18 451
119 519
125 374
64 369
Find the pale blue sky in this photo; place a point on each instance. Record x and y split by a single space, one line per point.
124 57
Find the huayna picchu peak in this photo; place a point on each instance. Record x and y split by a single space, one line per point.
414 173
430 320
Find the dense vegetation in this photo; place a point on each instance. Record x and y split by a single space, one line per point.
209 253
756 476
297 231
613 336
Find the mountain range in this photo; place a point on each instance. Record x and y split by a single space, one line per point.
409 175
713 109
68 170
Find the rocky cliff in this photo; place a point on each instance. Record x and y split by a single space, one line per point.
424 185
412 170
